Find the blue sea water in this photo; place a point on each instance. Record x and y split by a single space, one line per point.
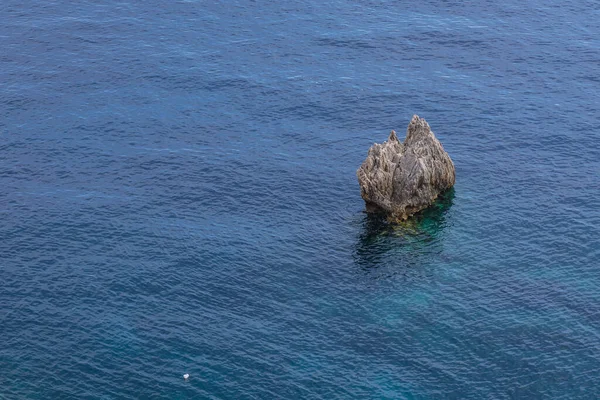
178 195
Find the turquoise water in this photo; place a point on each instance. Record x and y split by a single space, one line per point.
179 196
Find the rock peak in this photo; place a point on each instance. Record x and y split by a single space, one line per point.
417 128
401 179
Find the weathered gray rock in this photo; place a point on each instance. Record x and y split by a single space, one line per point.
401 179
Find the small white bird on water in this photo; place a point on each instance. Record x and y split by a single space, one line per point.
186 376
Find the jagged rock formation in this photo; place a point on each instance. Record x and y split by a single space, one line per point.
401 179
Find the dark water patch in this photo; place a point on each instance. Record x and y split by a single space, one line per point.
355 44
416 240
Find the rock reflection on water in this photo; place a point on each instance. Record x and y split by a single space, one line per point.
387 248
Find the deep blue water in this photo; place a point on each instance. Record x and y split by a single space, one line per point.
178 194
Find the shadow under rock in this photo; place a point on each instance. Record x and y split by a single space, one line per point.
406 244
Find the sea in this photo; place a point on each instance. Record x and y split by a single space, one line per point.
178 195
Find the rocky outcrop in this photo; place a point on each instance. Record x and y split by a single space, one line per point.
401 179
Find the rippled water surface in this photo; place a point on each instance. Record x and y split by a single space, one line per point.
178 195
